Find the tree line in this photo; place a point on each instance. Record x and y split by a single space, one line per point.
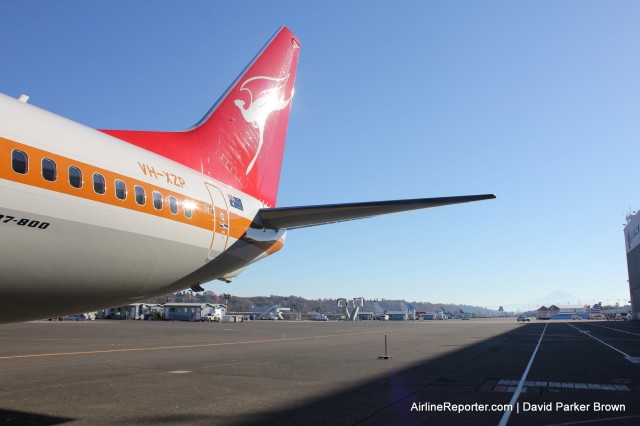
300 304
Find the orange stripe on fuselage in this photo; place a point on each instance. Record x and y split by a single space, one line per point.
202 216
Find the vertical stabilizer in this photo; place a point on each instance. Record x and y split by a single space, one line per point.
240 141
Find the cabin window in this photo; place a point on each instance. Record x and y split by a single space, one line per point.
141 197
188 209
157 200
99 185
19 161
173 204
49 171
121 190
75 177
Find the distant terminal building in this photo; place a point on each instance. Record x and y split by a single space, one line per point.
545 312
315 316
632 244
425 316
397 315
191 311
365 316
134 311
571 311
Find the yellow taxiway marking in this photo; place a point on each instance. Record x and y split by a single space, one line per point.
201 345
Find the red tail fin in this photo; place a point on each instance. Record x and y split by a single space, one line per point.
240 142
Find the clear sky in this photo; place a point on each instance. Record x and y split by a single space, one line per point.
537 102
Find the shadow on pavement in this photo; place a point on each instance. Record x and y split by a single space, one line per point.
10 417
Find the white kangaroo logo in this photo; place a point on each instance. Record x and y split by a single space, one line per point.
265 103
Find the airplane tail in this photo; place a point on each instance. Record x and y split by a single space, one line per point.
240 141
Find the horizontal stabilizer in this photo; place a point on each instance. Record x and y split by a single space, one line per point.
300 217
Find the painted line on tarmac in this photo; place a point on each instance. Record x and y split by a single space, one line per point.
506 385
609 420
615 329
201 345
516 394
588 333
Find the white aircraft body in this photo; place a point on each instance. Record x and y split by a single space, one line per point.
96 218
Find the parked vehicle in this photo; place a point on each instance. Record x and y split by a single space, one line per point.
210 317
78 317
523 318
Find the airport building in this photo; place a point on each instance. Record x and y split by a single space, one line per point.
426 316
632 244
365 316
192 311
571 311
397 315
134 311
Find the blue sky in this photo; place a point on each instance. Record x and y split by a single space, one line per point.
534 101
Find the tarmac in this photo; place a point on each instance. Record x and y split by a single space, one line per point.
307 373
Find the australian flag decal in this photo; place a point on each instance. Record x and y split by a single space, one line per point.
235 202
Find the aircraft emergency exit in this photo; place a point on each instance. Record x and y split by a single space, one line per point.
98 218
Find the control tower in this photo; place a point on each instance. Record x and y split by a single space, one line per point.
632 244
